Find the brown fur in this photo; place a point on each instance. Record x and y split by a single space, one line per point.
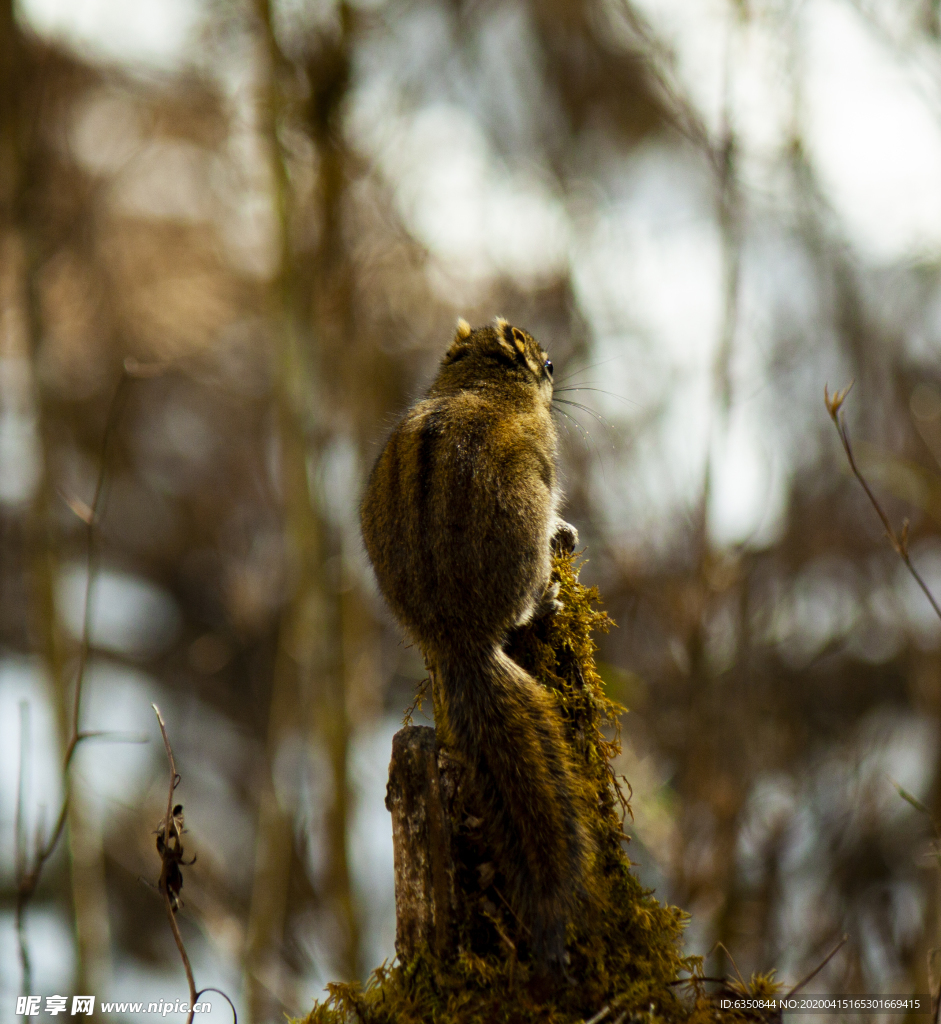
459 517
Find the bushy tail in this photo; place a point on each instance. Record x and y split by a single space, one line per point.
506 727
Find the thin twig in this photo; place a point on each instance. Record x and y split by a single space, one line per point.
91 558
210 988
937 1005
599 1016
113 736
28 879
168 827
416 705
899 541
724 948
813 974
913 800
26 972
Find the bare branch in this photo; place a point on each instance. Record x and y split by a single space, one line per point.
171 854
813 974
114 412
26 973
937 1005
235 1016
28 878
899 540
170 848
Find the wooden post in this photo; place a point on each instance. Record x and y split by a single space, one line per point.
420 796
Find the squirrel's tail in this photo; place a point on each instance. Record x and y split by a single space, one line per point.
507 728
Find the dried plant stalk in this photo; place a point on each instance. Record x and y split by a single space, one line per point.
898 540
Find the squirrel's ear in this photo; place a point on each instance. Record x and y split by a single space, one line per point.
459 345
506 336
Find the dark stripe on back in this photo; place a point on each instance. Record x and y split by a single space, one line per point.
393 482
429 438
394 473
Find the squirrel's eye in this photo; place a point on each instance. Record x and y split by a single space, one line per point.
548 365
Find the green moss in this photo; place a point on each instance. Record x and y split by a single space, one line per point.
625 950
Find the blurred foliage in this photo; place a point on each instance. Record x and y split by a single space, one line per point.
243 231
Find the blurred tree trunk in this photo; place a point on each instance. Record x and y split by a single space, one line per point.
26 110
309 669
325 294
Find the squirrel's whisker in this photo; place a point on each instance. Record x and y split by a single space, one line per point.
601 391
587 438
585 369
585 409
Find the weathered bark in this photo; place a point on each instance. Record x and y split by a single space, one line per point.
421 797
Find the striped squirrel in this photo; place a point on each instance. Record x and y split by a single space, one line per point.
459 518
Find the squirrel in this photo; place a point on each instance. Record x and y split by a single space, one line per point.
459 519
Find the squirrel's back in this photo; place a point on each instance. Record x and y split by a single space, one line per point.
458 518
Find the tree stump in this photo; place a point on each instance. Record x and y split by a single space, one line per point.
423 782
461 952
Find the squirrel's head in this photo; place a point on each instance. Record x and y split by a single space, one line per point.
497 354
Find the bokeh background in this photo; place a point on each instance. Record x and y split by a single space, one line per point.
234 238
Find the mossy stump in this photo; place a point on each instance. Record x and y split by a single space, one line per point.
422 784
460 951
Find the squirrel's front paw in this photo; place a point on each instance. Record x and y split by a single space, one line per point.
565 537
550 603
